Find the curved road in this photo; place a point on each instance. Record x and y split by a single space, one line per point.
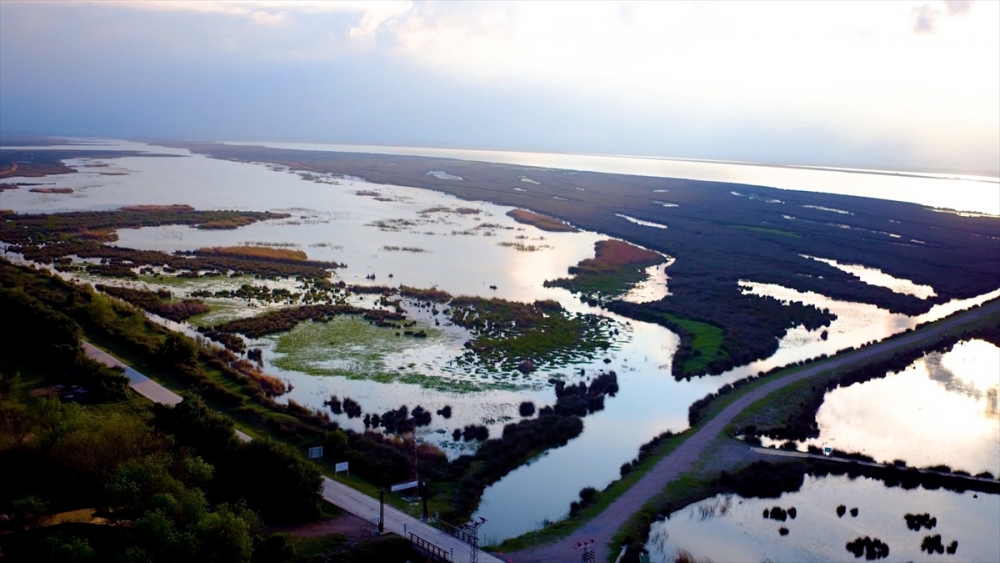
602 527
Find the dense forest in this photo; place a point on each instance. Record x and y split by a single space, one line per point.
719 234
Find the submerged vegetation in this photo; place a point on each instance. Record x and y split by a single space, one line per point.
507 333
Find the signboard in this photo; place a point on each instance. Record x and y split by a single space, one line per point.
404 486
316 453
342 466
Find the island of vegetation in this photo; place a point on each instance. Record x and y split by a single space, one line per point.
543 222
616 267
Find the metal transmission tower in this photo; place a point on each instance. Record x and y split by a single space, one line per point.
589 551
468 533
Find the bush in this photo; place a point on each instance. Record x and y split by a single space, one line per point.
273 478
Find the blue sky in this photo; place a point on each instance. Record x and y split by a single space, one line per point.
897 85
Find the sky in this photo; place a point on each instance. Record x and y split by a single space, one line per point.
894 85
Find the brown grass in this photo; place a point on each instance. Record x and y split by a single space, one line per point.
543 222
258 252
157 208
613 254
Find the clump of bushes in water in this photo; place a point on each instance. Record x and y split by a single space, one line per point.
445 411
780 514
933 544
917 521
581 399
841 511
527 408
352 408
871 548
783 531
401 420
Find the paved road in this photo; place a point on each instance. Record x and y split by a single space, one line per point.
397 522
142 384
341 495
603 526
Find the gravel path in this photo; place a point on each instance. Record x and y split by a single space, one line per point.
603 527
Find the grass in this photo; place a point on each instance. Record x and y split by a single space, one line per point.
352 347
616 267
259 252
706 340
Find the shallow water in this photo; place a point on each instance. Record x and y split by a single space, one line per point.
730 528
942 409
962 192
874 276
462 256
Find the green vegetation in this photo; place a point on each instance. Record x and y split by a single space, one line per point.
702 346
353 347
525 335
616 267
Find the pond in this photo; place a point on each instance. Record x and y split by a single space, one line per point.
731 528
941 410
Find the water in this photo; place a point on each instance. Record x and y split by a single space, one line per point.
961 192
942 409
730 528
330 221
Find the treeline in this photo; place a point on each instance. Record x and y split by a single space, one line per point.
172 481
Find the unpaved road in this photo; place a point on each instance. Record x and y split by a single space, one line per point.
603 527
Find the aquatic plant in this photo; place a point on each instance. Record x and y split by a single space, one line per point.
917 521
871 548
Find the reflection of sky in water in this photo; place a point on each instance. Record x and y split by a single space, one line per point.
331 222
732 529
874 276
940 410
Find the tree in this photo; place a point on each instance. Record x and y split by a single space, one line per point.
273 478
196 426
179 349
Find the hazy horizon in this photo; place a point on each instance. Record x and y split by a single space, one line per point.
887 86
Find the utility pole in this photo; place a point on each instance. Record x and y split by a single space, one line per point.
381 511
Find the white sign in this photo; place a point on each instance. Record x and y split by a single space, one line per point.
404 486
316 453
341 467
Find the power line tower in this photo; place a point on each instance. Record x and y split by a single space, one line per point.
589 554
469 534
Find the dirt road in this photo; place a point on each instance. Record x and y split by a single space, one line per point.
603 527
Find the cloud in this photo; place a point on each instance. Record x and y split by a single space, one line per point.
958 7
926 17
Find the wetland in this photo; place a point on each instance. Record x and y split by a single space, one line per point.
341 282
